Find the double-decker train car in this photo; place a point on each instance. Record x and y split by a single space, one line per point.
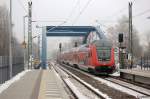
97 57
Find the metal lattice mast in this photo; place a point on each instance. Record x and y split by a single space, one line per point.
30 35
130 33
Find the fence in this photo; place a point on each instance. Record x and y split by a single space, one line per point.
17 66
145 63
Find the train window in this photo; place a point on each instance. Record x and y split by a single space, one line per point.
103 53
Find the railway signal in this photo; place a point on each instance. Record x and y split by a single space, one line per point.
120 39
60 47
121 49
76 44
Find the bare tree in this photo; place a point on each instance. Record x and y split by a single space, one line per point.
123 27
147 52
4 31
4 36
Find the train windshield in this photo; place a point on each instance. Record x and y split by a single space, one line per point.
103 53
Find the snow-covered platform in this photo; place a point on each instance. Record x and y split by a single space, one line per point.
34 84
142 76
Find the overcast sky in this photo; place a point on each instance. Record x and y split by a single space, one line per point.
106 11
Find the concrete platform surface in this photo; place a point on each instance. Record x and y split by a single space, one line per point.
37 84
25 88
144 73
141 76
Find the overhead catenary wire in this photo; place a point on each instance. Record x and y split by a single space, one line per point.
81 12
23 7
72 11
126 8
48 21
142 13
52 27
119 12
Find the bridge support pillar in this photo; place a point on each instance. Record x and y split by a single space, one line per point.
44 48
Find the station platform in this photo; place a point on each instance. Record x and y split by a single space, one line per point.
36 84
141 76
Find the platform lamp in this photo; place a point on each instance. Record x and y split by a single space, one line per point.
24 44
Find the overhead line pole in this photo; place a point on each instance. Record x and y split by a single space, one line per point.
24 41
130 33
131 39
30 35
10 42
129 47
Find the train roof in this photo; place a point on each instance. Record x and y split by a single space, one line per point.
102 42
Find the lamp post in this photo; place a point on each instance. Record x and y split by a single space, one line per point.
24 17
24 42
39 42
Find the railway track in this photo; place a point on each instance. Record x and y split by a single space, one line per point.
114 93
146 86
139 89
90 92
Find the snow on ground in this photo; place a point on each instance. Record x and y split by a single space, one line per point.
5 85
138 67
71 85
117 73
98 91
74 89
118 87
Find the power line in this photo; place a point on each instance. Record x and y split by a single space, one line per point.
22 6
133 1
118 12
48 21
142 13
86 5
121 10
77 3
72 10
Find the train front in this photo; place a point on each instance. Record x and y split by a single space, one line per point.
104 62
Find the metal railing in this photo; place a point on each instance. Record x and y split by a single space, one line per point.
145 63
17 66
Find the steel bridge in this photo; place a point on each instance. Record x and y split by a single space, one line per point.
69 31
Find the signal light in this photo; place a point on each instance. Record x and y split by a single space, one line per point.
76 44
60 45
120 39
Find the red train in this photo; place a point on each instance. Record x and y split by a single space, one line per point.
97 57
